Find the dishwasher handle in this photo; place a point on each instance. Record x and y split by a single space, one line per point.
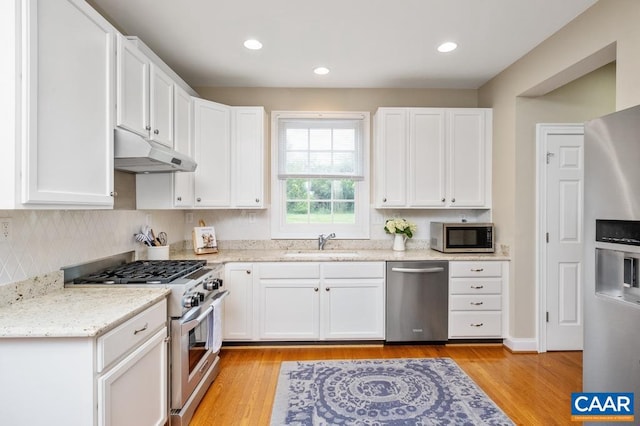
419 270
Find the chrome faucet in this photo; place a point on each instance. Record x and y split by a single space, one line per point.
322 240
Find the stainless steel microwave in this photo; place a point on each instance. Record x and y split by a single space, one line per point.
462 237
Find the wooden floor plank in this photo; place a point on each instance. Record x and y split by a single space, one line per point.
532 389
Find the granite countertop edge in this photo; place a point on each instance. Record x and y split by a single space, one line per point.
278 255
76 312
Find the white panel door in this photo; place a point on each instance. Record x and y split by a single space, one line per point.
248 157
353 309
183 143
564 250
70 82
427 157
238 305
391 159
132 88
466 158
134 392
212 143
289 309
161 106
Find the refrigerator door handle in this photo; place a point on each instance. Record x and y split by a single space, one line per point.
418 270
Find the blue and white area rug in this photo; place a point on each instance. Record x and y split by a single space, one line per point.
389 392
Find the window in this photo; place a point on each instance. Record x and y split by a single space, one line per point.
320 182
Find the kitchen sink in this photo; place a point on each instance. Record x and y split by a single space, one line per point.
321 254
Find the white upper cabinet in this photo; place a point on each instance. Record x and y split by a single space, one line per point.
469 153
391 157
59 77
212 140
433 158
144 95
183 143
248 153
229 146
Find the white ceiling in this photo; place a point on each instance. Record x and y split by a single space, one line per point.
365 43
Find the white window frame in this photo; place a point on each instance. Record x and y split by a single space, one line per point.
282 230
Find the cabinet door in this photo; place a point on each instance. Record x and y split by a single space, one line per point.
391 157
161 106
132 88
70 109
238 305
353 309
183 143
289 309
134 392
467 158
426 157
212 153
248 148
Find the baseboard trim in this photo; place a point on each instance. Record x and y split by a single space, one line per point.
518 344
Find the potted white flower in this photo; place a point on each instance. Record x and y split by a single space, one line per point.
401 229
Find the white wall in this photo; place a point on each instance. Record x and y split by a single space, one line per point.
43 241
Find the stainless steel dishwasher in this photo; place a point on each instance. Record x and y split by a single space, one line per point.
417 301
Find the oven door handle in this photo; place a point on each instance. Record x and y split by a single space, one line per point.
220 295
190 325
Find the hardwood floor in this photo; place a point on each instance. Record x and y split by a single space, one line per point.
532 389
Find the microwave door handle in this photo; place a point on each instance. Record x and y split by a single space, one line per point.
190 325
418 270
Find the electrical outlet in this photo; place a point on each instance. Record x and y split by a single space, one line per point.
188 218
252 217
148 219
5 229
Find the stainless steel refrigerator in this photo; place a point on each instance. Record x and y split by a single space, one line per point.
611 357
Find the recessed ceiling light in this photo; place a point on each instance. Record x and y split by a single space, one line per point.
447 47
321 71
253 44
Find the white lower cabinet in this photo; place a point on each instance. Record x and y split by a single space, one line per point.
477 299
119 378
308 301
353 301
142 374
238 305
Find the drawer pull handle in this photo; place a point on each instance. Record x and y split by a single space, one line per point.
477 269
477 303
477 325
477 287
142 329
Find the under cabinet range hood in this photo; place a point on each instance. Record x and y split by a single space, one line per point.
135 154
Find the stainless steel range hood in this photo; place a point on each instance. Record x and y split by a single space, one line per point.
135 154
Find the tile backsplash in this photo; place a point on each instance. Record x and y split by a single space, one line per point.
42 241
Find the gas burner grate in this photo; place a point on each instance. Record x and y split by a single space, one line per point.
143 271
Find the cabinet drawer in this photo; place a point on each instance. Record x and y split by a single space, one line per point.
129 335
471 302
477 286
289 270
475 269
475 324
353 270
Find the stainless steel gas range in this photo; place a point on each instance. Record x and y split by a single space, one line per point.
194 317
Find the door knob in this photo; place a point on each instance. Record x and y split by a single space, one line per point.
156 131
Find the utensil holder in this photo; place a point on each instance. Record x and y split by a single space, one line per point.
158 253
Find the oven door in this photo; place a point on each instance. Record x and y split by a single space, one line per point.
192 355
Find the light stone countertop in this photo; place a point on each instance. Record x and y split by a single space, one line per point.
76 312
346 255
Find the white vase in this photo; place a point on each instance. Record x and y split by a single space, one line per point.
398 242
